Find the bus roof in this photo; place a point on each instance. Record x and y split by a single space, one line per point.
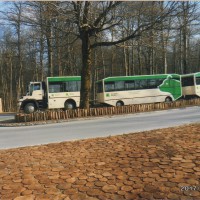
196 74
63 78
138 77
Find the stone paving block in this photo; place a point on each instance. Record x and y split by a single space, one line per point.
147 165
27 197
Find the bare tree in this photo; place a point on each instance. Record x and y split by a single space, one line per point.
187 18
90 24
15 18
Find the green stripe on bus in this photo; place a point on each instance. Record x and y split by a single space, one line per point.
64 78
128 78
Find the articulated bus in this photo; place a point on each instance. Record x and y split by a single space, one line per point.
191 85
125 90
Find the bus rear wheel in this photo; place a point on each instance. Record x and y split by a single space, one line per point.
120 103
29 108
69 105
168 99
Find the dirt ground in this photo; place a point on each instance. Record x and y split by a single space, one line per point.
159 164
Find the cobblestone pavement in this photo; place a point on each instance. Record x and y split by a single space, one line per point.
160 164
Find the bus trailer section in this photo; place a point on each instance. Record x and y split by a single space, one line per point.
126 90
191 85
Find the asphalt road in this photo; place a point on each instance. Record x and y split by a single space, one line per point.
12 137
6 116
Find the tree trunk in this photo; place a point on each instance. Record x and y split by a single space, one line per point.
132 59
11 82
86 70
41 56
20 77
103 62
185 50
112 56
50 52
164 54
164 39
125 59
49 36
181 53
185 36
58 53
198 63
94 76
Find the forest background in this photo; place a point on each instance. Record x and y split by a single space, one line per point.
40 39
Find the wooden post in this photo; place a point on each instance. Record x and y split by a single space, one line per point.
17 118
1 110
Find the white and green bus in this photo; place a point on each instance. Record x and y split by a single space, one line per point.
54 93
125 90
191 85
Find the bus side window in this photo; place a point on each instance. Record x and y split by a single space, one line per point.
119 85
78 85
159 82
143 84
129 85
73 87
66 87
137 84
55 87
197 80
152 84
188 81
110 86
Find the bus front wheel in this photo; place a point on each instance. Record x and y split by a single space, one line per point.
29 108
119 103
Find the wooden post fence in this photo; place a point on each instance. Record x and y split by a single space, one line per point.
104 111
